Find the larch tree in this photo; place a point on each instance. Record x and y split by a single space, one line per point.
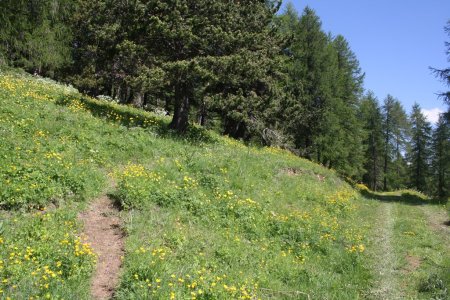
420 150
308 82
388 128
343 149
441 157
324 86
394 127
372 119
444 74
400 134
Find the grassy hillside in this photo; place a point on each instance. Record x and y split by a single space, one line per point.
205 217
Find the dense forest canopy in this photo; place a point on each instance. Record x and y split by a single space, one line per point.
243 68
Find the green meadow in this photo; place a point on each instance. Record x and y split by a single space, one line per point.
204 216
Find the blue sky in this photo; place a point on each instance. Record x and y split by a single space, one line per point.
395 41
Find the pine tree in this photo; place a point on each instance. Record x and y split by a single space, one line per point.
216 49
96 34
420 152
441 157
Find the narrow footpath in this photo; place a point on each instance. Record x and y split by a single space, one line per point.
102 227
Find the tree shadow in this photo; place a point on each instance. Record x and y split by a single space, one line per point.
409 198
131 117
116 201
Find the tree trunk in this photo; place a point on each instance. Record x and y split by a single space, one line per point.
118 93
386 149
146 100
308 144
234 129
202 116
181 111
113 91
202 119
386 157
138 100
128 95
167 106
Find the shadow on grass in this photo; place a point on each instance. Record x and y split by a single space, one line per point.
132 117
117 203
402 197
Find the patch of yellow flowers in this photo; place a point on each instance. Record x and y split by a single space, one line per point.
43 262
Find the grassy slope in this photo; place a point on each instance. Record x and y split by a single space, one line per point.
206 217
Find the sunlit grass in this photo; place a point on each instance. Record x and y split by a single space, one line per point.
206 217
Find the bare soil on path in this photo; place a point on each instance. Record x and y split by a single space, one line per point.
102 227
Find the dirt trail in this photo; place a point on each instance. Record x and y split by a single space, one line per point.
102 226
386 285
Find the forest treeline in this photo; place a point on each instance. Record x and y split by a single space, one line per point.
242 68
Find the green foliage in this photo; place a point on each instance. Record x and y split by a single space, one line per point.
441 157
220 244
444 74
232 66
436 286
43 256
412 232
217 56
35 35
373 141
414 247
395 131
420 151
39 162
139 188
323 86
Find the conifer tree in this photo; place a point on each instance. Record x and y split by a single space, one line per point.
395 126
387 133
400 134
35 35
444 74
344 150
221 50
441 157
324 86
373 142
420 151
214 55
308 82
96 34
